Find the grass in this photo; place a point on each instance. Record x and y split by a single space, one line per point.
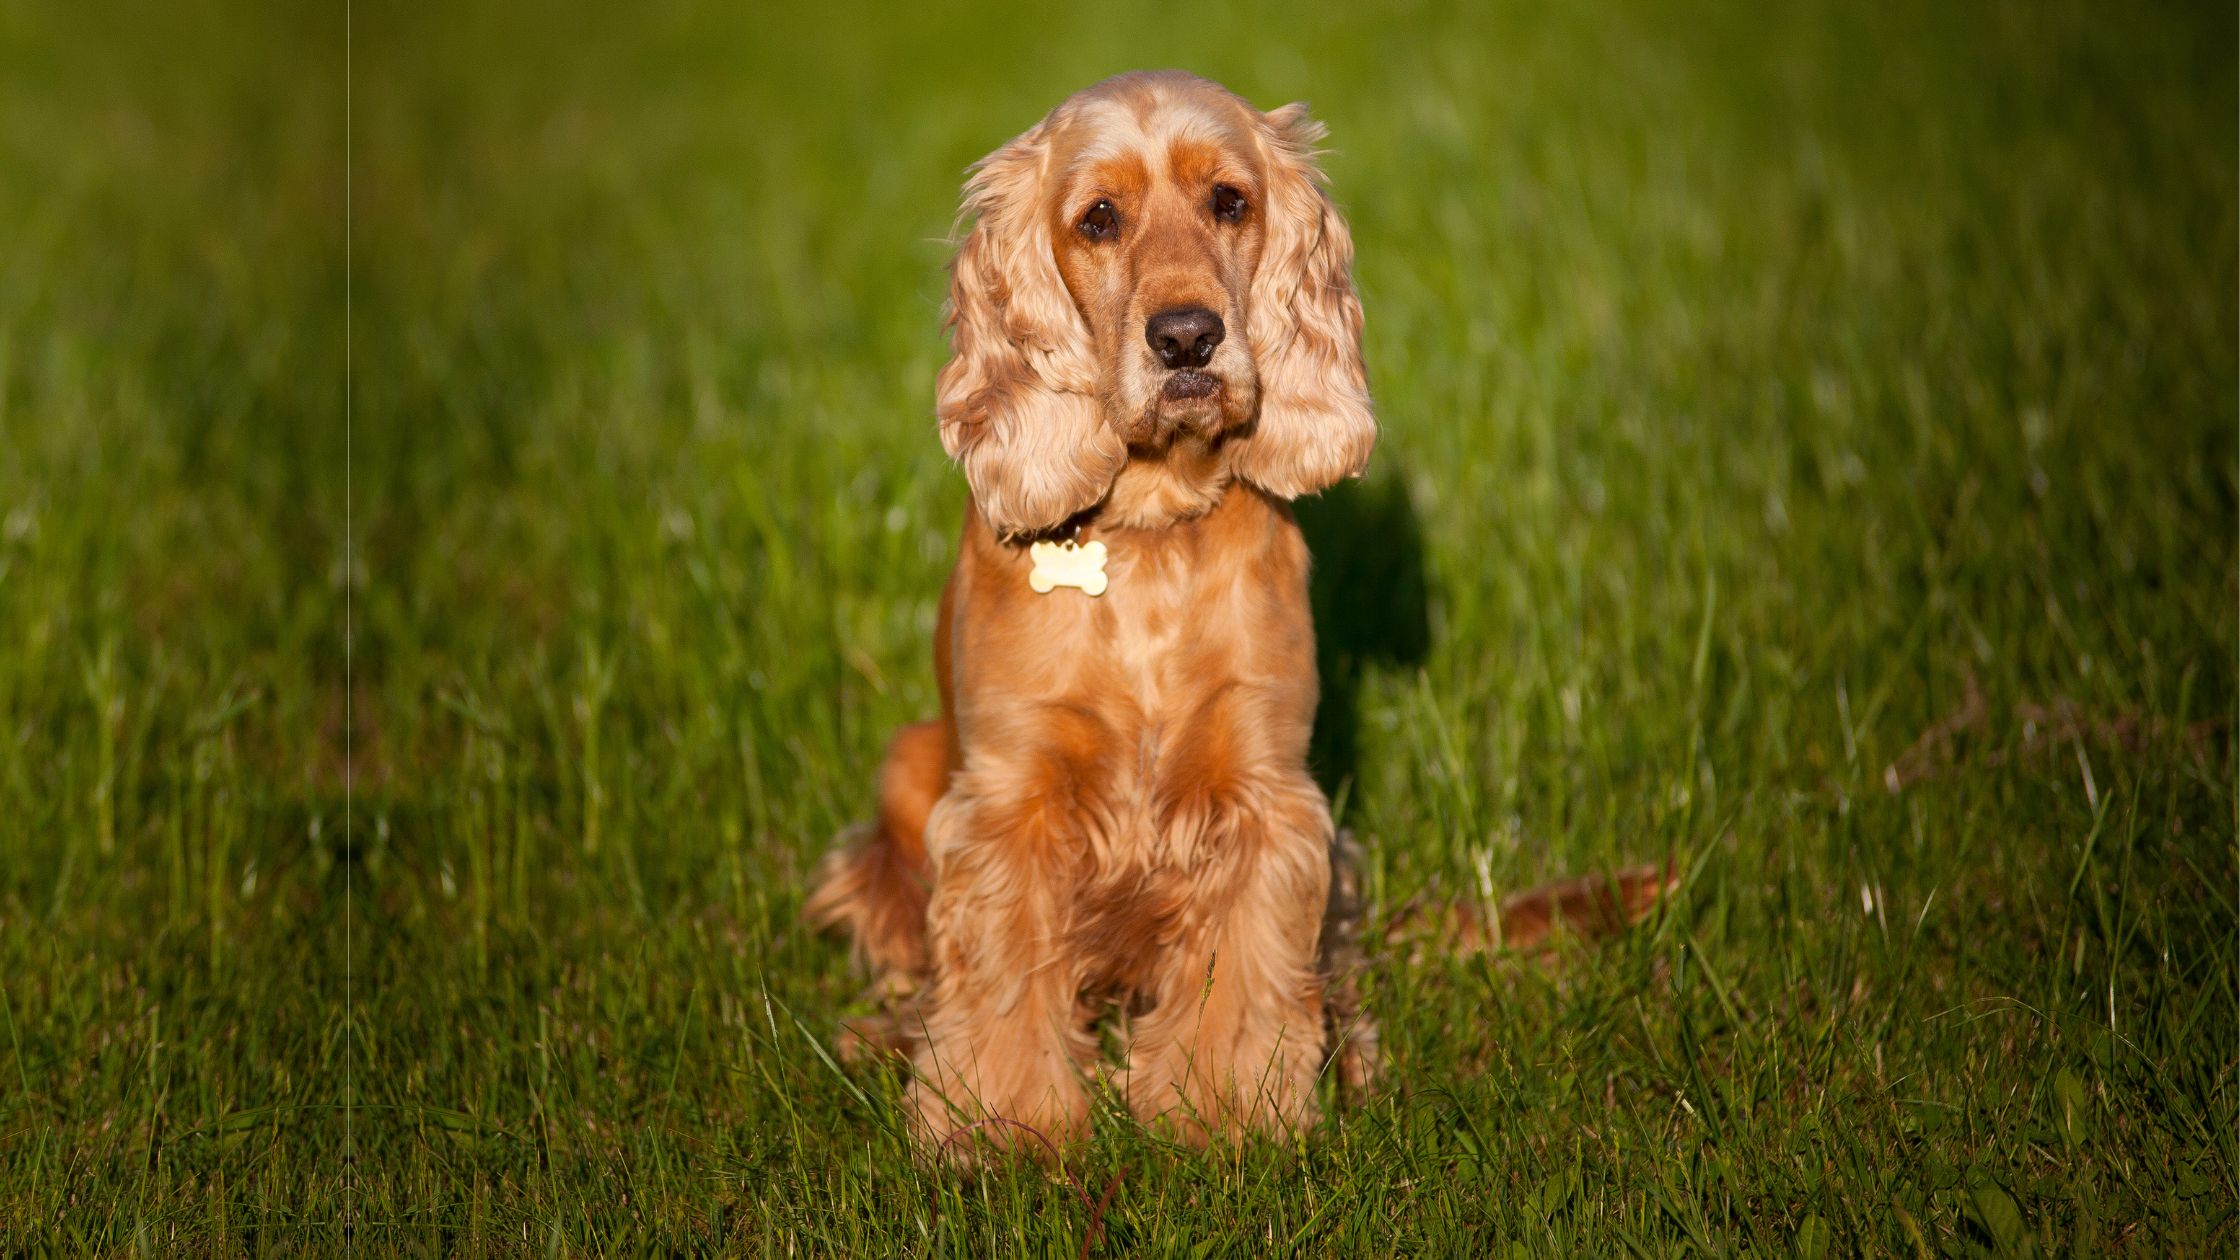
1766 391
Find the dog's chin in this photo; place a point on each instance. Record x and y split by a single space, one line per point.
1186 404
1188 386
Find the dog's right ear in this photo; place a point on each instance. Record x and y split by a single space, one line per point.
1017 399
1316 426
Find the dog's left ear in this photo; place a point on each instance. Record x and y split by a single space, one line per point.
1017 399
1316 425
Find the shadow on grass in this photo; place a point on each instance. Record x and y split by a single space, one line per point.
1370 605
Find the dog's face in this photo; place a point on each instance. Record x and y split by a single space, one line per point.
1158 228
1154 263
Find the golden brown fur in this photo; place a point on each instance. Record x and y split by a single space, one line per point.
1115 804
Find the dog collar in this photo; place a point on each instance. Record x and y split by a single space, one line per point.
1061 558
1069 563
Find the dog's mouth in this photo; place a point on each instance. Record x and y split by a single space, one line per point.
1189 385
1187 400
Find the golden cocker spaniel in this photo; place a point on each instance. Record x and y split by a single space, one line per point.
1156 346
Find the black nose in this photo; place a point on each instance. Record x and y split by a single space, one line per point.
1184 338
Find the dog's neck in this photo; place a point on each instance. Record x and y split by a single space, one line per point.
1161 488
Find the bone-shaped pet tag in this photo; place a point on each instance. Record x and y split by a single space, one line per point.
1059 564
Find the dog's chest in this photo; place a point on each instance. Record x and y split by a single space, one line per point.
1160 631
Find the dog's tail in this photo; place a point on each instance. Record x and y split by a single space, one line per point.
874 885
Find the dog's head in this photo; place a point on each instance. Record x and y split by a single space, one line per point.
1154 262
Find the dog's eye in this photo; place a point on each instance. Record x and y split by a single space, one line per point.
1101 222
1228 204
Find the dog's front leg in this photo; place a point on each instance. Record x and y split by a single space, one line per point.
1002 1040
1235 1037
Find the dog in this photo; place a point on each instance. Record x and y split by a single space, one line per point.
1155 348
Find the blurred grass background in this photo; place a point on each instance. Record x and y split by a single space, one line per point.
1766 389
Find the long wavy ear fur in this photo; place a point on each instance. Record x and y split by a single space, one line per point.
1017 399
1315 424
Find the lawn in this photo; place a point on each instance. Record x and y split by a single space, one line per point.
460 559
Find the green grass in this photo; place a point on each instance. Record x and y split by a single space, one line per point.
1752 381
